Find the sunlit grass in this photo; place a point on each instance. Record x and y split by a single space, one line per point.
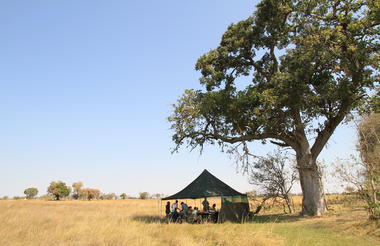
137 222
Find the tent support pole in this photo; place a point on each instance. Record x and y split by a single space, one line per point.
220 210
159 207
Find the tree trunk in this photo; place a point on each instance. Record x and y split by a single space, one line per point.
311 184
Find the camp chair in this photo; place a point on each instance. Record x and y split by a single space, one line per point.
182 216
172 219
213 217
168 217
204 217
193 218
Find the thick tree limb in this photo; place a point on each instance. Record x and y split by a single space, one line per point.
325 134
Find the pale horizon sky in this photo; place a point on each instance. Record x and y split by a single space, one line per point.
86 86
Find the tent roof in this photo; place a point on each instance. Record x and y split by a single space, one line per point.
205 185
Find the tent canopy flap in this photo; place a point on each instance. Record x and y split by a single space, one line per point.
205 185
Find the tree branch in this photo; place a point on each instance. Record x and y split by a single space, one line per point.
325 134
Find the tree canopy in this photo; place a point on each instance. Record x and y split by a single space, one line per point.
31 192
77 186
59 189
89 193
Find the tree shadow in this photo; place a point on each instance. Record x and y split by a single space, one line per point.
272 218
150 219
276 218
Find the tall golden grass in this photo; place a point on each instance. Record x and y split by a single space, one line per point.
130 222
139 222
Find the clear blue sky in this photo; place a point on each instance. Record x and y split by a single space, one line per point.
86 86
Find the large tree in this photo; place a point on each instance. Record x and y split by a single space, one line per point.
288 74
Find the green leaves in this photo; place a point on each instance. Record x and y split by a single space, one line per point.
291 63
59 189
30 192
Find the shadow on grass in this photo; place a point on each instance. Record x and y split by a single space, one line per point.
150 219
275 218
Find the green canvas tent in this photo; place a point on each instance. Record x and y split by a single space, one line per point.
235 206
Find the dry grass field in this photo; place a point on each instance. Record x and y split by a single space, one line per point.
137 222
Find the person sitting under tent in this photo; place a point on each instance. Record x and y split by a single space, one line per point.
214 213
194 216
213 208
190 211
167 209
195 211
184 209
206 205
174 206
175 215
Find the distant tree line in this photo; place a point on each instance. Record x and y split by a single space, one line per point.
58 190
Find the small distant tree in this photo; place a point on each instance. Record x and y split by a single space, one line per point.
77 186
47 197
123 196
112 196
30 193
89 193
157 196
59 189
5 198
275 177
108 196
144 195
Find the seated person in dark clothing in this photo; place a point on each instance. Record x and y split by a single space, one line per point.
167 208
214 213
213 208
190 210
195 211
194 216
184 207
175 215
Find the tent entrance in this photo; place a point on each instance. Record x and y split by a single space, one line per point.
234 208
